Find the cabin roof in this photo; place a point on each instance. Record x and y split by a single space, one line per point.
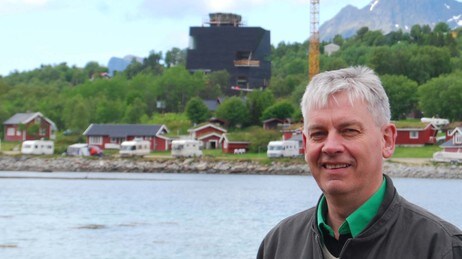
124 130
23 118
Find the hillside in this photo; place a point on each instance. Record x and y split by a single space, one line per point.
391 15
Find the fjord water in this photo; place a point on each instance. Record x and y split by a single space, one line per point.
136 215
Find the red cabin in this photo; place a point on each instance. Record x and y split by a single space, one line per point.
112 135
20 127
209 134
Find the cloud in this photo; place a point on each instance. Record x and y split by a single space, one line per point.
172 9
20 6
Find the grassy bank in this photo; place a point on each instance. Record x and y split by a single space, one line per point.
401 152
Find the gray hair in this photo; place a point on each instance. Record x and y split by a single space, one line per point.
360 83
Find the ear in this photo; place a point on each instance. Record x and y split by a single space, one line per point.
304 145
389 140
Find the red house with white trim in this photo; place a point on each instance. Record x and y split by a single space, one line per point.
294 132
209 134
16 127
229 146
417 136
452 148
454 144
108 136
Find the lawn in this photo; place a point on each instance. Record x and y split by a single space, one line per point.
400 152
416 152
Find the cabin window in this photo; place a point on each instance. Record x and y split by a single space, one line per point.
10 132
96 140
42 132
458 139
414 134
117 140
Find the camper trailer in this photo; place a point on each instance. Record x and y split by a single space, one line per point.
186 148
83 149
283 148
136 147
37 147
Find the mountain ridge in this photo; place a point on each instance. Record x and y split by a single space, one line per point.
392 15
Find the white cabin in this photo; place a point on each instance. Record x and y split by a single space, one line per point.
136 147
283 148
37 147
186 148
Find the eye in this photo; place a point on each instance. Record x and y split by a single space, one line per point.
350 132
317 135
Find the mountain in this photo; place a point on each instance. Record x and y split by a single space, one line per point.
390 15
120 64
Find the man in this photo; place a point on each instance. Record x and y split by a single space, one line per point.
347 134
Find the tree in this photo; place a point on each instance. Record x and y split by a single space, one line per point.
76 113
234 111
280 110
216 84
284 86
176 86
135 111
441 96
338 39
175 57
402 94
197 111
257 102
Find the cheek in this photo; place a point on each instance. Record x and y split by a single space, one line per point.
311 153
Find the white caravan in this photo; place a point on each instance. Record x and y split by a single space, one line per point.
186 148
83 149
38 147
136 147
283 148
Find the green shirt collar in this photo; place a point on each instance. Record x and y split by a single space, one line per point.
359 219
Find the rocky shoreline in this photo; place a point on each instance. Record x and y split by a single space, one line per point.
208 166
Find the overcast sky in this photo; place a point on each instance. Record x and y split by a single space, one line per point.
49 32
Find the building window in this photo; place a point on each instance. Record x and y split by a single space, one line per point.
192 43
42 132
458 139
10 132
38 120
117 140
96 140
242 81
414 134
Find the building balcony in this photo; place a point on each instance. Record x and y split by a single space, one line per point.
246 63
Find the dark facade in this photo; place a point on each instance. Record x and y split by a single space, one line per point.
225 45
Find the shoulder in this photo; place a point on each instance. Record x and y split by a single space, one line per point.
293 225
424 218
288 239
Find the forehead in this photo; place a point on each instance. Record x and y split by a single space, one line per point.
339 99
340 109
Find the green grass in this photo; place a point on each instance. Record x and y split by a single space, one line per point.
400 152
9 146
416 152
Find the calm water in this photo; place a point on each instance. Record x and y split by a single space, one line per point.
106 215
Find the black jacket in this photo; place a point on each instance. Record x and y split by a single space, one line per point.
399 230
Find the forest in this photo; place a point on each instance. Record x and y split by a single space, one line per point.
421 71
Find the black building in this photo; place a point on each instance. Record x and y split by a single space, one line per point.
226 45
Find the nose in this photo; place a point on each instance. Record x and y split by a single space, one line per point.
333 144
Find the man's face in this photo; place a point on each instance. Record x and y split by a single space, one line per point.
344 147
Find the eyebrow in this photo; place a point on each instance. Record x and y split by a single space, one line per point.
341 125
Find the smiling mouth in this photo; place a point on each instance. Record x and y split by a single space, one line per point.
335 166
